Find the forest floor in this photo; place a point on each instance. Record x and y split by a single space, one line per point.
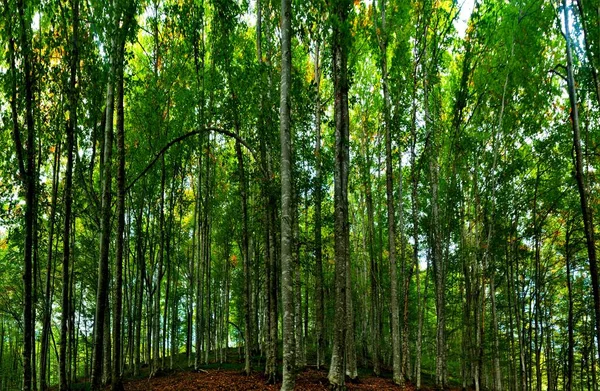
235 380
227 378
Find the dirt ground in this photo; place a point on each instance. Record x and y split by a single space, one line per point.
222 379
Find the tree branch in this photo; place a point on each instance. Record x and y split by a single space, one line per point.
180 139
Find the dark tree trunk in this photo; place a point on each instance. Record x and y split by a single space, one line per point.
117 383
71 129
45 338
586 211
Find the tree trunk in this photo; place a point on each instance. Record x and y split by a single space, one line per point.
45 340
373 270
341 229
586 211
28 177
70 130
287 267
117 383
396 359
320 307
570 321
103 271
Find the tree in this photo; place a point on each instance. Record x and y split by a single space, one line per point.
289 351
339 19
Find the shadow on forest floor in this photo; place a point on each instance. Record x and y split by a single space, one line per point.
229 376
228 379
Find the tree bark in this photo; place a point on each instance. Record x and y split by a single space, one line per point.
103 271
391 213
28 176
70 130
570 320
45 338
586 211
117 382
341 230
287 267
320 316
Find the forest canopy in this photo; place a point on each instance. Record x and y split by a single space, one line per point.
406 189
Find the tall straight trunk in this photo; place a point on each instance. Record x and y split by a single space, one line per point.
570 321
497 372
245 255
422 296
351 365
300 361
107 356
200 268
340 49
28 176
68 198
103 271
586 211
45 338
320 307
206 244
415 254
156 341
287 267
537 329
407 272
271 361
141 262
389 176
227 290
438 263
117 383
373 270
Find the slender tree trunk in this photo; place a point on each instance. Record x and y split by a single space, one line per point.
245 256
117 383
200 268
320 307
45 348
373 272
287 267
570 321
396 347
415 255
300 361
28 176
586 211
141 262
103 270
341 229
71 128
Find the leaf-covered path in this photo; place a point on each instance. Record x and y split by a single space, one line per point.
235 380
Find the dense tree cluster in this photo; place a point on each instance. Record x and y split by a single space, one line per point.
403 186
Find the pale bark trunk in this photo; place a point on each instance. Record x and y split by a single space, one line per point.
320 316
391 214
570 321
341 231
103 272
287 267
